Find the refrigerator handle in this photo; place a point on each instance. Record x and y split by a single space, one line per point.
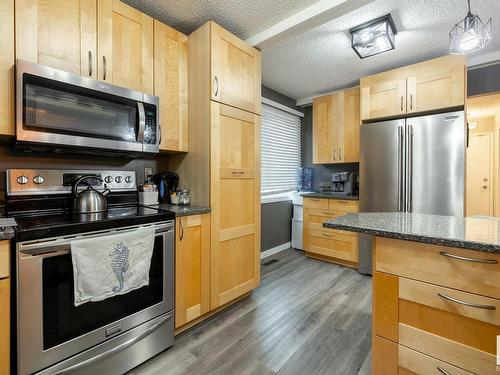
409 196
401 184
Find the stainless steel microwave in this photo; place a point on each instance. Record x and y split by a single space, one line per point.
61 110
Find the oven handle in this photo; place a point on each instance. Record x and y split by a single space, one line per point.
116 349
142 121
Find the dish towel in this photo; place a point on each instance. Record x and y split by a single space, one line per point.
107 266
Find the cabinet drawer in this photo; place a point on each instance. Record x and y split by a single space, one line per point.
314 217
321 203
4 259
422 364
472 271
331 243
343 206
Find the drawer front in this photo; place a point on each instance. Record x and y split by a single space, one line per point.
477 272
422 364
459 355
343 206
314 218
331 243
320 203
4 259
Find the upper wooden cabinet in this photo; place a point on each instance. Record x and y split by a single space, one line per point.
336 127
171 85
61 34
192 268
125 46
424 87
7 67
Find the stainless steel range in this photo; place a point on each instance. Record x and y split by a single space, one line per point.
107 337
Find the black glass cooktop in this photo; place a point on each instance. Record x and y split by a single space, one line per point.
61 223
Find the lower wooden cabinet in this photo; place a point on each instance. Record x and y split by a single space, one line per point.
4 326
423 325
328 244
192 268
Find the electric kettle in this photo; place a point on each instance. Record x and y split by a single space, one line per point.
89 200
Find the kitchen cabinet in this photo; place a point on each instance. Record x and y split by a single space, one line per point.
235 203
235 70
428 86
125 46
7 67
192 268
61 34
4 308
433 310
171 85
336 127
328 244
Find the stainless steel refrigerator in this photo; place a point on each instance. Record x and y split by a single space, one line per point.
412 165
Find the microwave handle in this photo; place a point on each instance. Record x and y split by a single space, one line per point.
142 121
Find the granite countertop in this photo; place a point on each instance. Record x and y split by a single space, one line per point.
480 233
184 210
330 196
6 232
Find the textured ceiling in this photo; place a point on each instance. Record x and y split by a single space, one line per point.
244 18
322 60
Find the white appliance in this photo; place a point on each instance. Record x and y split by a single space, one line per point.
297 222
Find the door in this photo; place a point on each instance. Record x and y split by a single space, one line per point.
325 129
348 128
125 40
236 71
383 96
479 175
58 33
436 84
192 268
436 164
7 67
171 85
381 166
235 202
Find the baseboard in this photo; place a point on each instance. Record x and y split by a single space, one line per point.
275 250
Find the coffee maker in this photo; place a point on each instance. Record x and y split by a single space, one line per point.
167 182
346 183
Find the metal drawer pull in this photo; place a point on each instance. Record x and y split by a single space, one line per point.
216 84
90 63
328 213
475 260
181 235
104 68
328 235
469 304
443 371
238 172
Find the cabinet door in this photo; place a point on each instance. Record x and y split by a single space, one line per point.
235 202
125 41
325 129
348 128
7 67
171 85
236 71
4 326
58 33
382 97
192 268
436 85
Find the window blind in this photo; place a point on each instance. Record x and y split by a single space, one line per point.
280 150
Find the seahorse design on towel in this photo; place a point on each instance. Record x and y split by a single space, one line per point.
119 264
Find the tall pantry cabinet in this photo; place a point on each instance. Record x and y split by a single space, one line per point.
223 165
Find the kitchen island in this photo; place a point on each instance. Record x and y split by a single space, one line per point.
436 291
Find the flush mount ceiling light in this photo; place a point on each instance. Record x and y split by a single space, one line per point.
470 34
374 37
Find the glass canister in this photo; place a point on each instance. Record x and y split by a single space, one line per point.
185 197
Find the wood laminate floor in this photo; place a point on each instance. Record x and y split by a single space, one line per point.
307 317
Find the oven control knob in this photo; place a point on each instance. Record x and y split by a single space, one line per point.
119 179
22 180
38 180
108 179
128 179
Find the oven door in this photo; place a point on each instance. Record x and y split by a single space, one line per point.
51 328
63 109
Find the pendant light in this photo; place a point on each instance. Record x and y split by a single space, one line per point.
470 34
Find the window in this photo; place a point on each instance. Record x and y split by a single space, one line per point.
280 148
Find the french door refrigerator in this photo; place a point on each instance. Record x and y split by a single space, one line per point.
411 165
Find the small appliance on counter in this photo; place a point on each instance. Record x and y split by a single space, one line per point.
168 183
345 183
